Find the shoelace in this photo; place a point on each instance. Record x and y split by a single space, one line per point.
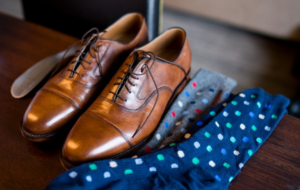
81 54
130 73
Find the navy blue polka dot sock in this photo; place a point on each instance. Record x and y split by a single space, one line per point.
209 159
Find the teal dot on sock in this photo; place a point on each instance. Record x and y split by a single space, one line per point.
226 165
253 128
253 96
172 144
250 152
160 157
258 104
259 140
274 116
228 125
128 171
209 148
93 166
207 134
196 161
230 179
232 139
234 103
212 113
238 113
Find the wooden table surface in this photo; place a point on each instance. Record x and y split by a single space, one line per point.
27 165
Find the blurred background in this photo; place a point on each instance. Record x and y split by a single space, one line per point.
255 42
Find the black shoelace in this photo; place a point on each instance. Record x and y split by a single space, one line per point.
81 54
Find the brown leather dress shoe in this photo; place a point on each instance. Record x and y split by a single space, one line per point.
65 96
130 107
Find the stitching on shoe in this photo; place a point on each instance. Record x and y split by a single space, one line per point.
142 86
63 96
124 136
144 104
28 134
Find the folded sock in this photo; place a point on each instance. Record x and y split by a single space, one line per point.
203 121
209 159
205 90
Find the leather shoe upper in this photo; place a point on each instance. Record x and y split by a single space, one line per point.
70 91
129 108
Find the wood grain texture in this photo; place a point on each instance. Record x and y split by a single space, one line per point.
276 165
26 165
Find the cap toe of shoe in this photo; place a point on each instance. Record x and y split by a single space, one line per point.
46 115
93 138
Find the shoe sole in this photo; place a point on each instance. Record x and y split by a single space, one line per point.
130 152
37 137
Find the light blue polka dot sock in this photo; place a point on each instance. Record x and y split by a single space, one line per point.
209 159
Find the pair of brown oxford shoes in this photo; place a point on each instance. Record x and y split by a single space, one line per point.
113 119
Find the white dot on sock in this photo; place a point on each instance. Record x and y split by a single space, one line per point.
73 174
241 165
180 104
212 163
261 116
180 153
267 128
196 144
235 152
246 103
217 124
106 174
152 169
242 126
138 161
174 165
158 136
113 164
220 137
88 178
225 114
242 95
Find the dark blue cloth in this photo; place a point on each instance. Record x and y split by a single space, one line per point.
209 159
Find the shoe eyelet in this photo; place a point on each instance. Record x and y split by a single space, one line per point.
137 79
125 100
